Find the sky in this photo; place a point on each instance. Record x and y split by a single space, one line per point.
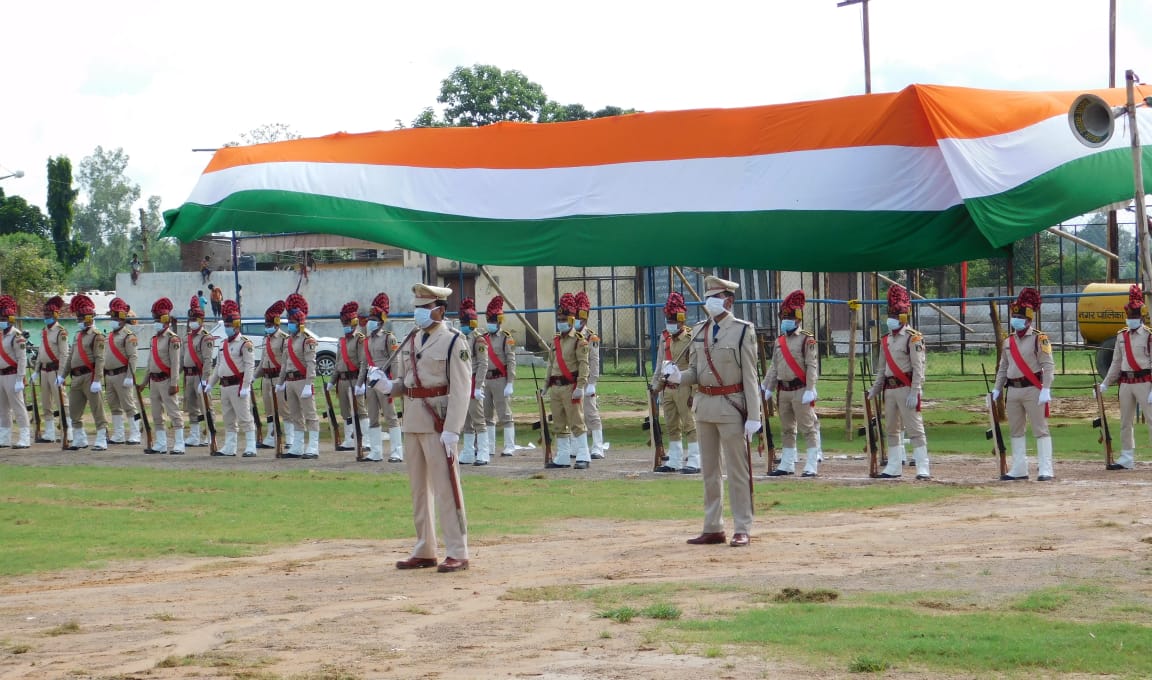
160 78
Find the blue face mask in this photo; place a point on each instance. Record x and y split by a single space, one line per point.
269 330
4 325
493 327
49 322
467 330
1019 324
579 324
788 325
347 330
158 326
422 316
193 325
1133 324
292 327
894 324
563 326
372 325
672 328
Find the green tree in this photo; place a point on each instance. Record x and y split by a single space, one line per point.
555 112
266 134
30 269
62 212
483 94
163 253
18 216
104 222
427 118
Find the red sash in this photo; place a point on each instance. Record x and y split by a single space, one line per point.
192 350
295 361
116 352
48 347
269 354
231 364
560 361
896 372
344 353
493 358
791 360
667 346
4 355
1128 350
368 353
84 355
1021 364
156 357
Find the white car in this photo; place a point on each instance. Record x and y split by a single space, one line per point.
326 350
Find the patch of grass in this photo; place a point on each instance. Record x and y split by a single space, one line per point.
543 594
798 595
163 616
20 649
1045 600
865 664
209 660
661 610
66 628
605 635
618 614
713 653
416 609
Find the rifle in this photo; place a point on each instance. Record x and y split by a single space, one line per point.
766 439
211 420
872 446
994 432
276 423
652 422
1101 422
356 421
546 434
336 435
878 411
256 414
143 413
64 443
35 407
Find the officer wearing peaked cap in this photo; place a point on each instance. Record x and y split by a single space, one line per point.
1027 367
722 363
1132 368
792 375
434 373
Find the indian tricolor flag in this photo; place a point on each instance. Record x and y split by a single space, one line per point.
927 176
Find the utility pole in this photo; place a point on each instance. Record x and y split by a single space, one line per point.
1112 231
867 49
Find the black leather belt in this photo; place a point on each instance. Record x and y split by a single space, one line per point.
1025 382
115 371
231 380
158 377
790 385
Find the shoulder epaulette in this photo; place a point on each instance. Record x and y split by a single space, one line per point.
506 333
807 332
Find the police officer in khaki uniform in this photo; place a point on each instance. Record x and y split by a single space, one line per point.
1132 367
500 347
592 421
792 374
567 376
85 367
1027 367
900 373
434 373
13 364
120 375
382 347
271 363
676 400
235 370
53 354
163 362
296 377
195 365
348 378
722 362
476 449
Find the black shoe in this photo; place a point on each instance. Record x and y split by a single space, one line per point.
580 465
262 445
780 473
885 475
221 453
345 448
923 478
1010 478
597 456
249 454
555 466
310 456
41 440
1113 466
1044 478
665 468
180 453
197 446
689 471
290 455
808 474
154 451
480 462
118 442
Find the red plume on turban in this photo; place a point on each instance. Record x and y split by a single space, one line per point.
82 305
297 307
381 305
898 300
567 304
118 308
161 307
674 307
467 309
348 311
230 311
274 311
793 305
7 305
195 311
495 308
53 305
1027 302
1135 301
583 304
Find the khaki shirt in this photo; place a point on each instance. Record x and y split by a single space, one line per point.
802 347
441 359
908 353
357 353
672 348
199 343
1036 351
91 341
243 354
1141 341
503 345
166 345
303 345
275 350
15 347
574 353
733 355
479 350
593 354
125 342
382 346
54 339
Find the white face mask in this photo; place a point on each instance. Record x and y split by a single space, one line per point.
193 325
1133 324
714 306
894 324
673 328
788 325
423 316
1019 324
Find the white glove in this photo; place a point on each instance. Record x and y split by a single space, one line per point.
306 392
913 399
95 388
375 373
360 390
449 440
1045 395
129 382
590 390
508 390
808 397
751 427
383 385
478 394
245 391
577 393
995 394
203 385
767 394
1150 397
18 387
59 380
671 373
328 386
36 376
280 387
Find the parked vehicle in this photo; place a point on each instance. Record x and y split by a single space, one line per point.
326 350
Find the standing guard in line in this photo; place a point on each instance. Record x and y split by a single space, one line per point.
792 374
348 379
382 347
1132 367
53 355
676 400
296 377
1027 366
271 362
567 375
592 421
477 449
120 375
86 367
163 360
901 373
722 362
196 364
235 369
500 347
13 364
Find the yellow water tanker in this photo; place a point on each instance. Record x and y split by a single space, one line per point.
1101 318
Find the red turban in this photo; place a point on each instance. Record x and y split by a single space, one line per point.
381 305
793 305
348 311
53 305
297 307
495 307
583 304
161 308
1135 299
7 305
674 307
1027 302
467 309
274 311
230 311
898 300
82 305
195 311
567 305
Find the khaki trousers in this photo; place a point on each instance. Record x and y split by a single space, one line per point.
346 388
497 407
237 410
796 417
432 494
899 416
164 404
592 412
474 421
50 395
193 402
1132 397
121 399
80 396
678 418
298 410
567 415
1021 407
723 448
381 407
12 402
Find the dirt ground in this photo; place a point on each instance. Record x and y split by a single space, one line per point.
338 609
